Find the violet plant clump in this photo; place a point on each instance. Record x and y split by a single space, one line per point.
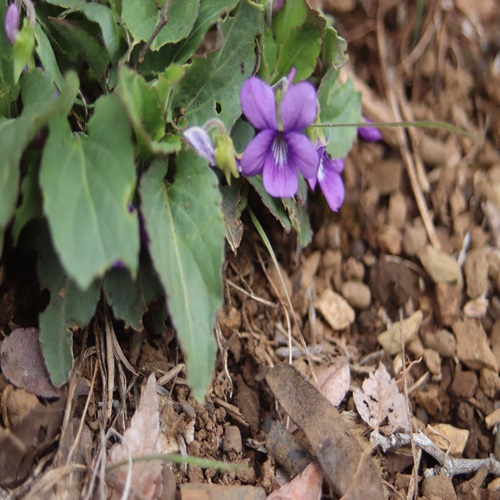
143 111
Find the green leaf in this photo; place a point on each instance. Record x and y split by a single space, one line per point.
298 214
46 55
67 4
24 47
212 84
87 183
241 134
184 222
334 50
301 47
292 15
146 104
9 89
80 39
31 206
141 19
130 298
210 12
274 205
269 54
106 20
69 307
339 103
15 135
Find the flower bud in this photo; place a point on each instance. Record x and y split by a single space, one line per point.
369 134
11 24
225 156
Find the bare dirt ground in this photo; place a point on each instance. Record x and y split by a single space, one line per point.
406 276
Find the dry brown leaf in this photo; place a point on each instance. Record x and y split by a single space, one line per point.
380 404
306 485
22 363
334 381
141 438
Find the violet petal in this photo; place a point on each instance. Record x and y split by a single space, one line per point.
280 181
312 182
335 164
256 152
369 134
200 141
258 104
11 22
298 107
332 187
302 154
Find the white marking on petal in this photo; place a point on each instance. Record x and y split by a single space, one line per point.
321 169
280 151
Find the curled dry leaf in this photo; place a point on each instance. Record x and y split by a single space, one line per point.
380 404
306 485
141 438
334 381
22 363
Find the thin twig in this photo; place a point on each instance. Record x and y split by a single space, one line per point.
388 75
163 21
251 294
451 466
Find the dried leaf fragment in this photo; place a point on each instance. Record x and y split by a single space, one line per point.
380 404
141 438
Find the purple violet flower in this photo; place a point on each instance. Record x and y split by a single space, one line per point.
369 134
329 178
279 149
11 23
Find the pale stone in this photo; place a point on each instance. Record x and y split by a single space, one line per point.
441 267
448 438
432 361
335 309
476 272
414 239
472 345
407 329
357 294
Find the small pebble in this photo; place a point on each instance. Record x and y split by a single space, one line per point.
464 384
354 270
390 240
396 213
489 381
442 341
232 440
440 266
438 487
432 361
357 294
476 272
335 309
414 239
334 236
472 345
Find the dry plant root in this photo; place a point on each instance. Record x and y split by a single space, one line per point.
352 473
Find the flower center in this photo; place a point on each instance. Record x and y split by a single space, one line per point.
280 151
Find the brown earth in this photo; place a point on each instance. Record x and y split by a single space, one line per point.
414 252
